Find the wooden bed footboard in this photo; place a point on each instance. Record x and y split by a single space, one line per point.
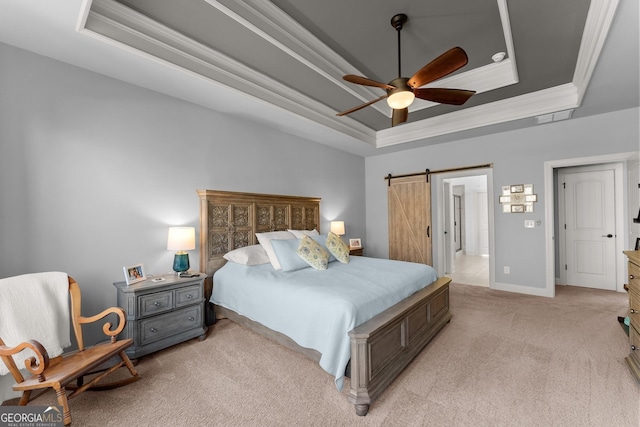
383 346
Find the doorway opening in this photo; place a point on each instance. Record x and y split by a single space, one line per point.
552 232
463 226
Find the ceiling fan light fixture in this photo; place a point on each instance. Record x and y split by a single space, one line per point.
401 96
401 99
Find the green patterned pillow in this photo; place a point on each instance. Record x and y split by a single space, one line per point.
338 248
314 254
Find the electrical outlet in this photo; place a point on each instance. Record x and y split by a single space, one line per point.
507 269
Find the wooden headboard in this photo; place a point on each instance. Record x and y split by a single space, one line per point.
230 220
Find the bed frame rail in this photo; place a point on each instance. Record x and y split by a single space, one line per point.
383 346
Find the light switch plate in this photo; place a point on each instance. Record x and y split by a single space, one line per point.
529 223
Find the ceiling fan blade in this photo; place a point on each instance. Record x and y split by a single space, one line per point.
444 96
359 80
400 115
359 107
450 61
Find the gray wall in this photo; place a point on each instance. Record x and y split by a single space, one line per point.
518 158
93 171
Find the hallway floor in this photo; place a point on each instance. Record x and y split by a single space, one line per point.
471 270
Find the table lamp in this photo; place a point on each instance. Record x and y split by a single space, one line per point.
337 227
181 239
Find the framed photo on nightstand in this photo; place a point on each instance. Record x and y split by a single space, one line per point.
134 274
355 243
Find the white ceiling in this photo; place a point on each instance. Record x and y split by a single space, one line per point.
280 63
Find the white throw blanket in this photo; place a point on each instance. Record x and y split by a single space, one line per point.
35 306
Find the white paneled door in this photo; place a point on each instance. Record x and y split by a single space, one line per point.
589 227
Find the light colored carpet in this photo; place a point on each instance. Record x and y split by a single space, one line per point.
503 360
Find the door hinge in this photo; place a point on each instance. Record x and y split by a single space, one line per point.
565 267
564 185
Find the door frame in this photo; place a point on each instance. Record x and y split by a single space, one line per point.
562 245
438 220
550 210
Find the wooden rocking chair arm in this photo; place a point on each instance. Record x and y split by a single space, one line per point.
106 328
35 365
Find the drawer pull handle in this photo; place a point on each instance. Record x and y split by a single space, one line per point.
632 311
189 296
631 276
191 319
634 348
157 303
153 330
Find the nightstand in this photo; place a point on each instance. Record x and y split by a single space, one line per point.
355 251
162 312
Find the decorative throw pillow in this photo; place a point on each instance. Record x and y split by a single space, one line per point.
248 255
338 248
322 241
314 254
286 251
265 241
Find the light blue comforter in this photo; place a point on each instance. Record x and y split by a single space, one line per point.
317 308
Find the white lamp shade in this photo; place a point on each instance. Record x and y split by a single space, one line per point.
401 99
181 239
337 227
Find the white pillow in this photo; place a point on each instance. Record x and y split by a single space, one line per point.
300 233
265 241
248 255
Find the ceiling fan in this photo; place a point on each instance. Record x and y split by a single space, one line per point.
402 91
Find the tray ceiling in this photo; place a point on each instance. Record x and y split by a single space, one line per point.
282 61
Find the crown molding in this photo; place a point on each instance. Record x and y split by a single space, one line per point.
599 19
554 99
117 24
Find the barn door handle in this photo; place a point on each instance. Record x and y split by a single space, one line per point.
428 231
607 235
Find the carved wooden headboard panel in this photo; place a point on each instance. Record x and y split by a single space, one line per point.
230 220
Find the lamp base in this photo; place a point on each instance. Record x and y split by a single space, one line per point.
181 263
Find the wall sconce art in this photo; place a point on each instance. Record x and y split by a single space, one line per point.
518 198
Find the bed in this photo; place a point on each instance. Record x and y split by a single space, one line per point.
378 341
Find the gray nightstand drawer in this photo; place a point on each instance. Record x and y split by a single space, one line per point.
188 295
155 303
178 321
162 311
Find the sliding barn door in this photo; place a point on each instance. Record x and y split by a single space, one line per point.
409 201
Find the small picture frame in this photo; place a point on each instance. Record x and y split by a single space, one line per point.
355 243
517 208
638 243
519 188
134 274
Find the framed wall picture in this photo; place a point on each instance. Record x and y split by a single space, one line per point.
355 243
134 274
519 188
